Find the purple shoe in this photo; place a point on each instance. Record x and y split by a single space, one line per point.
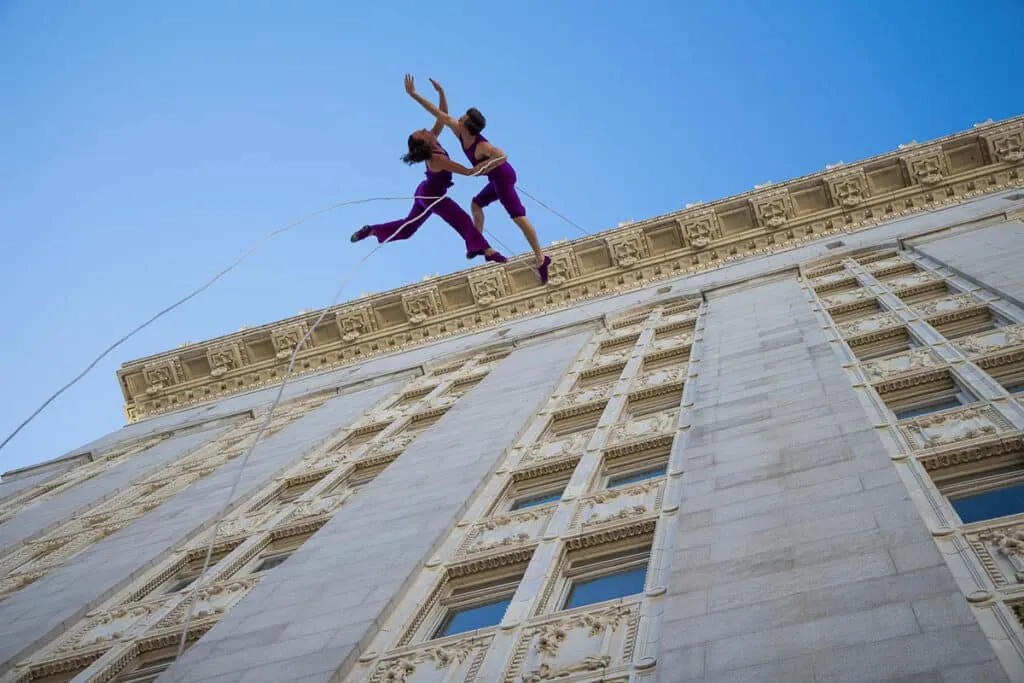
543 270
361 234
474 254
496 257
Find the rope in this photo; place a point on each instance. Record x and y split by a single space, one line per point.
564 218
270 413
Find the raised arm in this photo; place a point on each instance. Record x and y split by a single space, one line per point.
442 104
410 87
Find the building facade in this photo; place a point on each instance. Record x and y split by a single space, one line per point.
777 437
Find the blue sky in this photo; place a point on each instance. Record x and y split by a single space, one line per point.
145 145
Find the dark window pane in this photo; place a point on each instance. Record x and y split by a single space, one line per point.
633 477
925 409
609 587
991 504
472 618
539 499
1015 388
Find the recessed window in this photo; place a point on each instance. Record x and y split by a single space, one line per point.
638 476
539 499
898 342
926 405
932 291
990 504
470 602
277 553
293 491
148 666
570 423
1015 388
638 408
187 575
597 575
269 563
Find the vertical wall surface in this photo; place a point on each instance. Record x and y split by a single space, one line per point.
992 257
308 618
38 518
800 556
42 608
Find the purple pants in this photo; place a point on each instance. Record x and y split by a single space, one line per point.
501 186
447 209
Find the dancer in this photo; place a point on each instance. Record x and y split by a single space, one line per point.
423 146
501 179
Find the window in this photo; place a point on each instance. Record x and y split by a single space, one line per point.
982 320
863 310
189 572
980 496
930 292
593 379
293 491
563 425
148 666
624 470
277 552
634 477
953 398
521 494
469 602
1015 388
591 577
650 405
896 342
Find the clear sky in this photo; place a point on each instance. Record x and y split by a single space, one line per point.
144 145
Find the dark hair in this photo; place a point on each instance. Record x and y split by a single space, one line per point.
419 150
475 121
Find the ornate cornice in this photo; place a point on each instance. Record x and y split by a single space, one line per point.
766 220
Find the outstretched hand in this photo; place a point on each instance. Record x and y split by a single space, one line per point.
410 85
437 86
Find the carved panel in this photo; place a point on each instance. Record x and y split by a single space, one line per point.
488 285
448 662
927 167
677 341
849 188
610 357
922 277
546 451
103 628
589 395
564 267
627 247
677 318
356 321
576 646
657 378
700 228
947 304
621 504
162 374
421 303
822 281
644 428
872 323
1008 146
844 298
224 358
212 600
773 209
953 426
882 369
981 344
1000 550
505 532
286 338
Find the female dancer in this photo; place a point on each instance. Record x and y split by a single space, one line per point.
423 146
501 180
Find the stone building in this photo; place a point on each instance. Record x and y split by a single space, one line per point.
775 437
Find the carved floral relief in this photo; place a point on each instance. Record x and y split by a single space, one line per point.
996 340
505 531
659 424
953 426
891 366
620 504
449 662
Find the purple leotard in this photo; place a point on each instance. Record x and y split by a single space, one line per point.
501 184
436 185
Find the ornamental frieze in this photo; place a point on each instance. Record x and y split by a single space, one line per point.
708 237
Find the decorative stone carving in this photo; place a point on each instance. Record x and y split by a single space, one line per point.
245 524
119 623
611 357
677 318
627 247
544 451
563 267
588 395
657 378
872 323
927 167
454 661
981 344
676 341
700 228
621 504
1007 147
599 641
162 374
644 428
922 277
947 304
773 209
843 298
886 368
505 531
952 426
849 189
223 358
285 339
1009 541
394 444
212 600
831 278
356 321
488 285
881 267
421 303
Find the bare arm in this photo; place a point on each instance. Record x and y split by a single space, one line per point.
443 163
442 104
489 152
410 87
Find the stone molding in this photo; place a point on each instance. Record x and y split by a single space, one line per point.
766 220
